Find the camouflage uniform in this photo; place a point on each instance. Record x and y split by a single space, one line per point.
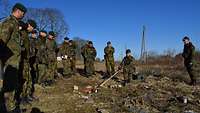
72 56
90 55
32 62
41 59
25 79
64 51
51 47
188 55
128 68
82 53
109 59
10 57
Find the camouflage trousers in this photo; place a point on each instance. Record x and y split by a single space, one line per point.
89 67
27 79
10 83
191 72
33 72
67 67
42 72
128 72
110 67
51 70
73 64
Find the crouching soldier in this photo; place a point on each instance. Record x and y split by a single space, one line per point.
188 55
128 65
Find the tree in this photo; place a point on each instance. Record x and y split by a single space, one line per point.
80 43
49 19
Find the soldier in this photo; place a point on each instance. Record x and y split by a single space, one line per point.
41 57
188 55
82 53
64 53
72 55
128 67
51 48
90 55
25 76
32 60
109 59
10 49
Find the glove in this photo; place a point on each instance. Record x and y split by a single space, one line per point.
59 59
66 57
190 64
119 68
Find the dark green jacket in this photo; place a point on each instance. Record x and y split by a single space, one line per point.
188 53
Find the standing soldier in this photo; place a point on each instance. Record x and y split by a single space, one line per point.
41 57
109 59
90 55
128 65
72 55
25 80
10 49
51 48
32 60
64 53
82 53
188 55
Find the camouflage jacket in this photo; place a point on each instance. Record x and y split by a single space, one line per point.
64 50
33 46
72 50
188 53
25 44
9 37
127 61
83 50
41 47
51 48
90 53
109 53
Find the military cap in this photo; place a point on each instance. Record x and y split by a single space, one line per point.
52 33
20 7
90 42
43 31
108 42
186 38
32 23
128 51
23 25
70 41
66 38
34 31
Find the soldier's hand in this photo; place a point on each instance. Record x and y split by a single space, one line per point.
119 68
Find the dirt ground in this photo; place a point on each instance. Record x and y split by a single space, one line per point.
157 89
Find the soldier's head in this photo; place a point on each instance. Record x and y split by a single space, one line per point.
66 39
186 40
109 44
90 44
70 42
31 25
34 34
128 52
51 35
43 33
22 26
19 10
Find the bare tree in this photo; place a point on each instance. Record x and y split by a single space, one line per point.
49 19
170 52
